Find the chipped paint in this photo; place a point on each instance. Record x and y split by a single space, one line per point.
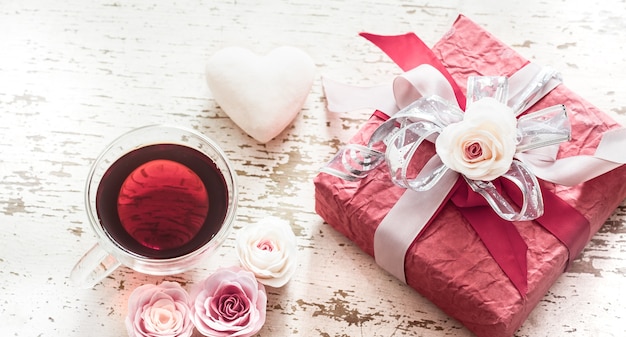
566 45
525 44
621 110
14 205
426 324
339 308
78 231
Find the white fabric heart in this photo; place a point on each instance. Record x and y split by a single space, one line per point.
261 94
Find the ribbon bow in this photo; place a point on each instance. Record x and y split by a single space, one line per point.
422 103
396 141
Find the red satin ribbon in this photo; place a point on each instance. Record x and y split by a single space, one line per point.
500 237
409 51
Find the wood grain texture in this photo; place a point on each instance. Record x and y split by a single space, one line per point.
76 74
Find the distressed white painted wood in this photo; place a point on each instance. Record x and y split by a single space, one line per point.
75 74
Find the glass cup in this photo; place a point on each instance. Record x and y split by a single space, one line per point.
160 199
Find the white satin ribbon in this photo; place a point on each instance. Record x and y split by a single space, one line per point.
421 81
570 171
341 97
402 224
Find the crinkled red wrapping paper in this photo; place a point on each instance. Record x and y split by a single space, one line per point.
449 264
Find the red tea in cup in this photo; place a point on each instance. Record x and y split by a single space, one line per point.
162 201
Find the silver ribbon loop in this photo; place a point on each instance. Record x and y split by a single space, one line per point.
479 87
354 162
546 127
537 82
526 182
400 154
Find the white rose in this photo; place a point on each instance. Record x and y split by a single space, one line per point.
268 249
482 145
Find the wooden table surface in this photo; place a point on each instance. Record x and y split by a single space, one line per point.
76 74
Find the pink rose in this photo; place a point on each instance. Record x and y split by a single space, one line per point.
159 311
482 145
230 302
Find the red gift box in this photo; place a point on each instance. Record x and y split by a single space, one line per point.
448 263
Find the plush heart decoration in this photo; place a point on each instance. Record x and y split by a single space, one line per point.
261 94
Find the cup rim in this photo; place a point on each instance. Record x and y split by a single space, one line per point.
139 262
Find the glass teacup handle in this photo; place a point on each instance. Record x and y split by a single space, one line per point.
94 266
